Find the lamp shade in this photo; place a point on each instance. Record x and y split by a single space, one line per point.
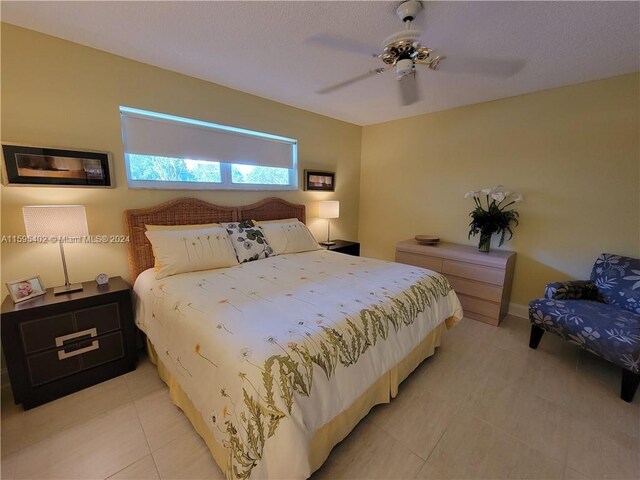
55 220
329 209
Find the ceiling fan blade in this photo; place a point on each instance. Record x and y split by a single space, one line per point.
409 93
337 86
340 43
493 67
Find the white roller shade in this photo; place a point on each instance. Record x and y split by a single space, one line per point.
168 136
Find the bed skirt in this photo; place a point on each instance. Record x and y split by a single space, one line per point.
333 432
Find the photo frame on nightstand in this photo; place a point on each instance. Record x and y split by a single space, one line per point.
26 289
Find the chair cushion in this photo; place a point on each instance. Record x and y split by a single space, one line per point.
605 330
618 280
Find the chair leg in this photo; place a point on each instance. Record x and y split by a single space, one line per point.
536 335
630 382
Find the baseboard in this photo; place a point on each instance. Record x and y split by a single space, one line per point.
518 310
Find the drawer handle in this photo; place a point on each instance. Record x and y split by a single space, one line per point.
91 332
95 345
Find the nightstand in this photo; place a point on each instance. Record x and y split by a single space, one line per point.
345 246
58 344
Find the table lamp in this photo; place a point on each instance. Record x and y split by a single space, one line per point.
329 209
60 222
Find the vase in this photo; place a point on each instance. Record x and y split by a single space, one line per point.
485 241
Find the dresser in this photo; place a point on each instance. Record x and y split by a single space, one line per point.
482 281
58 344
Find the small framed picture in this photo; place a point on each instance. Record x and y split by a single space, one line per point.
56 167
22 290
320 181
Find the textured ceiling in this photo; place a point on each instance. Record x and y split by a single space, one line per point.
282 50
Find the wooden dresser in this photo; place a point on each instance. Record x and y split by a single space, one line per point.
481 280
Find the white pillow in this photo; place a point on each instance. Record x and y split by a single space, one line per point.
181 251
289 237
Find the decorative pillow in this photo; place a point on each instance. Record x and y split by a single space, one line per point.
248 241
618 280
289 237
181 251
182 227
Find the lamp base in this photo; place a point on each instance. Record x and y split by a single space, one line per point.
327 244
74 287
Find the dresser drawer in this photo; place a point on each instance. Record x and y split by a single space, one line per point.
475 289
424 261
473 272
53 332
54 364
477 305
495 321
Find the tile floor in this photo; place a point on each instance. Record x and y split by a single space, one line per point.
485 406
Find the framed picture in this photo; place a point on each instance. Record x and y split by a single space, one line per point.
26 289
320 181
56 167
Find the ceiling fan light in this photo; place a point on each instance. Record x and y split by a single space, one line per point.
388 58
404 67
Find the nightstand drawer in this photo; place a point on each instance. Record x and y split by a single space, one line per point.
53 332
110 348
41 334
47 367
54 364
103 318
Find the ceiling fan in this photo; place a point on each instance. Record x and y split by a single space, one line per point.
403 51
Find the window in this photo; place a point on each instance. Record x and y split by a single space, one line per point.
165 151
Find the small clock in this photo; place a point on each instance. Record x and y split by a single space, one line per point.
102 279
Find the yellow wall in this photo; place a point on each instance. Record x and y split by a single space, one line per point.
573 152
57 93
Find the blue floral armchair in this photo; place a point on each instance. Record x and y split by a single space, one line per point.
601 315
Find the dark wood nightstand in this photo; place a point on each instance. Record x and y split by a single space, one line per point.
345 246
57 345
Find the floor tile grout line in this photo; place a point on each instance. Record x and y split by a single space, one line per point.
69 427
144 432
146 439
435 445
542 454
399 441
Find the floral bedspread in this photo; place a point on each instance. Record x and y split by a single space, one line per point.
271 350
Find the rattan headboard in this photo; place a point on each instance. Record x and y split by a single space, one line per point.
191 211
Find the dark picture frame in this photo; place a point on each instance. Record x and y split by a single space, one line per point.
25 165
319 181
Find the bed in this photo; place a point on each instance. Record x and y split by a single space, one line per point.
275 361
